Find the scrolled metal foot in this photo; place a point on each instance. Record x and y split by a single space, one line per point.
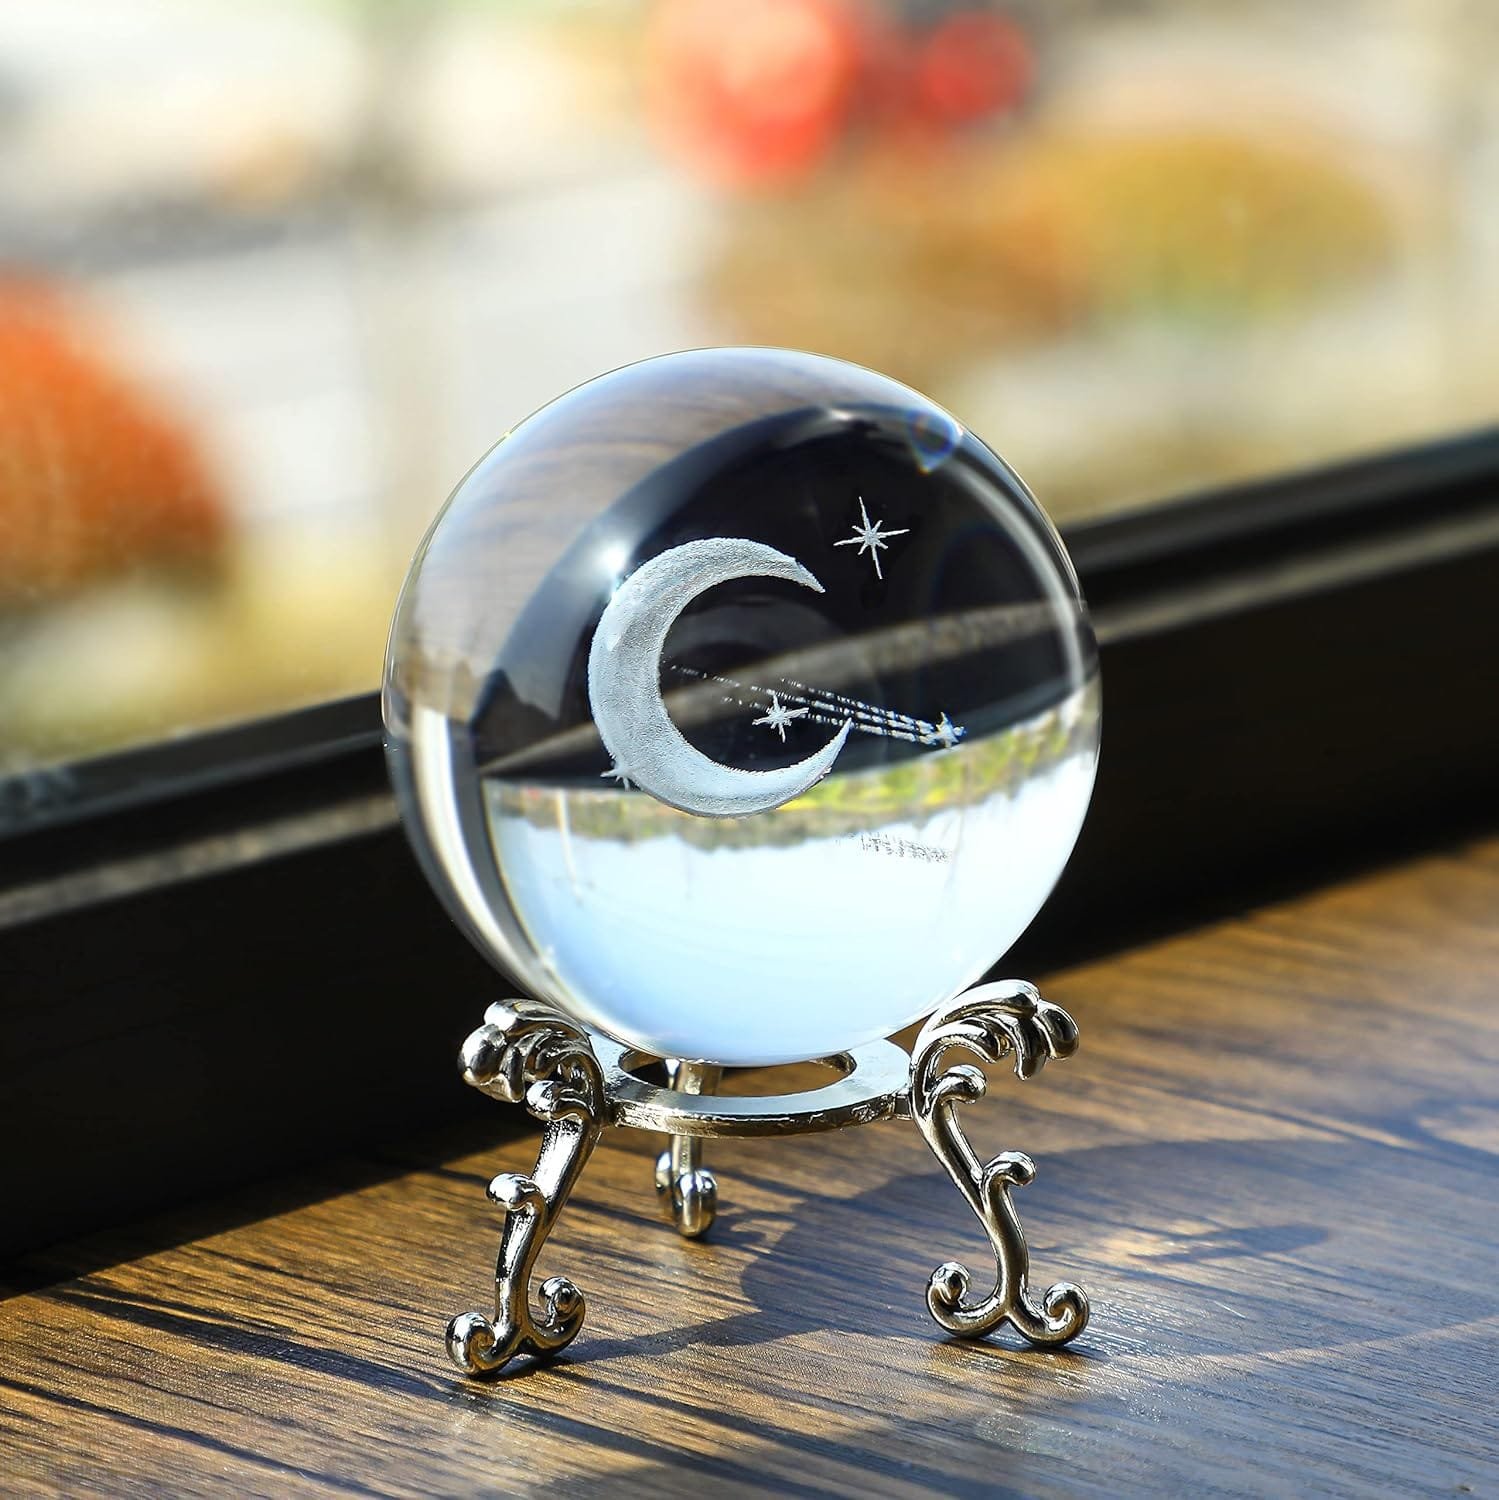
528 1052
687 1190
991 1022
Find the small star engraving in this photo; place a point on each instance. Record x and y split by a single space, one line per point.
947 734
780 716
619 774
870 537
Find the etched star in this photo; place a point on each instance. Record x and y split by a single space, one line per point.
870 537
619 774
780 716
946 733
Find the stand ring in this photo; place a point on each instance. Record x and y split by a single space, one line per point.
874 1086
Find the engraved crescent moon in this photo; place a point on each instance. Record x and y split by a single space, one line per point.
624 684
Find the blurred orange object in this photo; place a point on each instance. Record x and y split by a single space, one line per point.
756 93
94 480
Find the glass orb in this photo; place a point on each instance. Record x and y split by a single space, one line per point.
742 704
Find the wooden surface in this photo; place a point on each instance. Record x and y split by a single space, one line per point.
1274 1163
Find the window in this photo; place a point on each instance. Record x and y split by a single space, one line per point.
1221 280
278 271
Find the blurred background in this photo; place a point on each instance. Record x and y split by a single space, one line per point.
274 273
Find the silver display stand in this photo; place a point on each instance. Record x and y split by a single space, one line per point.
576 1082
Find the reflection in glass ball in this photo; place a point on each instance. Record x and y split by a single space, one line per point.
743 704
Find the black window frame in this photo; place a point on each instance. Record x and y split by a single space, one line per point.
218 959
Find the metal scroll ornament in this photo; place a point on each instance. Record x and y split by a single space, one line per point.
528 1052
991 1022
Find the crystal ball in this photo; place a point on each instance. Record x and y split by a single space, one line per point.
743 705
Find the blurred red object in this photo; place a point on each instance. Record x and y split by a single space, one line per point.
94 480
975 64
755 93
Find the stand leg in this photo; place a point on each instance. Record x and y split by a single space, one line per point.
527 1051
687 1190
991 1021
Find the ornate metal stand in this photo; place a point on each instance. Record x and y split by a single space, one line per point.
576 1082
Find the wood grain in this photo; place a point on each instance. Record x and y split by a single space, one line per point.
1274 1163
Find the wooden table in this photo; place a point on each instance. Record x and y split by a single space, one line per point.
1274 1163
